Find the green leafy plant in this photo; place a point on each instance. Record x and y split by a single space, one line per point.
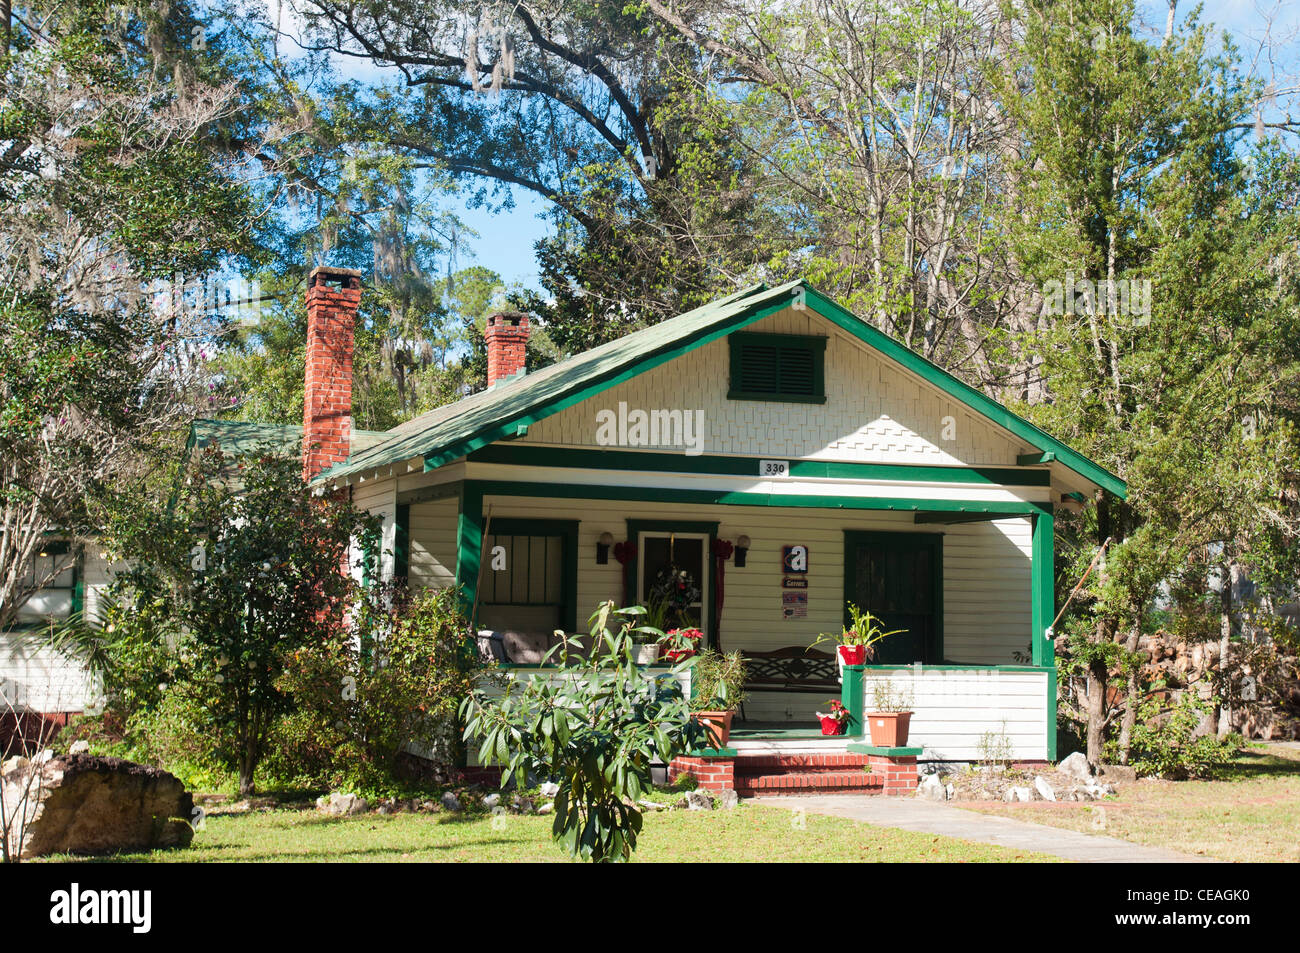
863 629
717 681
1166 743
595 728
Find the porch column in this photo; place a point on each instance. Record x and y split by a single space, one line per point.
1042 587
469 543
851 697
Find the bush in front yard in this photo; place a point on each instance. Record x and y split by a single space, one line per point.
361 701
1166 744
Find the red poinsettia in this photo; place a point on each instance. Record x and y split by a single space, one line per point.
679 644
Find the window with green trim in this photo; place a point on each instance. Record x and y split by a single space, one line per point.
783 367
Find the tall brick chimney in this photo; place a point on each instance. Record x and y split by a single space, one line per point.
333 296
507 340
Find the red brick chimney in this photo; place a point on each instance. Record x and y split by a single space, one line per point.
333 295
507 340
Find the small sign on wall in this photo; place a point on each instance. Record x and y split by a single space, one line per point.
794 582
794 605
794 558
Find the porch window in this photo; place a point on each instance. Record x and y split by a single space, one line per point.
781 367
528 584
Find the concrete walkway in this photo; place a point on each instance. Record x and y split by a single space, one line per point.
914 814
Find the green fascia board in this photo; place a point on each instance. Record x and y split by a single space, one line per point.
531 456
1034 459
713 753
962 392
454 431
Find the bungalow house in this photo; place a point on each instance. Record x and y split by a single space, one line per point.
760 461
763 460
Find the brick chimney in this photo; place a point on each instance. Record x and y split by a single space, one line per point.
333 295
507 339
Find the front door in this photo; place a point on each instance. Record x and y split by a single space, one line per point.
899 577
673 574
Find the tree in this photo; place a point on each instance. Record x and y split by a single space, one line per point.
1131 174
110 183
595 729
257 567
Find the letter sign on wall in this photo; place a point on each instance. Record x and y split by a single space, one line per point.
794 558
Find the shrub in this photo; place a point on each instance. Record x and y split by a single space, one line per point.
362 701
1165 743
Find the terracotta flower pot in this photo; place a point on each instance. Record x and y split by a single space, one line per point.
832 726
853 654
889 728
717 724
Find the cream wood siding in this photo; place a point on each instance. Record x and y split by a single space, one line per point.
380 498
954 709
433 543
986 577
876 412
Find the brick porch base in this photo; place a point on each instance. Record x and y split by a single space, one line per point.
890 772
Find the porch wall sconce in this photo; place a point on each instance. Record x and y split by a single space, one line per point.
742 549
602 548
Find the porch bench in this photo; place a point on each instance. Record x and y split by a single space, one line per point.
791 669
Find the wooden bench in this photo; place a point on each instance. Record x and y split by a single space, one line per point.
792 669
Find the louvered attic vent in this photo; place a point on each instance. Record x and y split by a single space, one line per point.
786 367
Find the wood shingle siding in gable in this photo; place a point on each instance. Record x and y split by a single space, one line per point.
875 412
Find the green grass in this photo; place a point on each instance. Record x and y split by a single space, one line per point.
1251 814
749 833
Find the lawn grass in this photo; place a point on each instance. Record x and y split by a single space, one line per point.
748 833
1251 814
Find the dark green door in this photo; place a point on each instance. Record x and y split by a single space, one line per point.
899 577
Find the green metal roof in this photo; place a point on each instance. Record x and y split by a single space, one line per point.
449 433
240 437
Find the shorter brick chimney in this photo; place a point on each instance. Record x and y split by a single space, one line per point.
507 341
333 296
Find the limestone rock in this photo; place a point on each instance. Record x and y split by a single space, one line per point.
1117 772
1076 766
699 801
82 804
1019 794
341 804
492 801
549 789
729 799
451 803
932 788
80 747
1043 788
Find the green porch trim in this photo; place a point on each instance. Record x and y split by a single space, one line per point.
402 541
469 543
1034 459
603 382
852 698
78 584
656 461
862 748
712 753
568 531
1042 589
709 528
739 498
894 538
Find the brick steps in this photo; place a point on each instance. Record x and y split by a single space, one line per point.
809 782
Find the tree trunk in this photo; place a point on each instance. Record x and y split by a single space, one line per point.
1226 580
1098 678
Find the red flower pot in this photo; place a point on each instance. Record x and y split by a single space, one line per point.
832 726
853 654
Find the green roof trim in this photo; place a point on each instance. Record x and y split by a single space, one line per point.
452 432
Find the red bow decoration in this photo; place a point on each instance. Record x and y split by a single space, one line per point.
625 552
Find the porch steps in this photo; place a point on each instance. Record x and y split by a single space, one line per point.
804 773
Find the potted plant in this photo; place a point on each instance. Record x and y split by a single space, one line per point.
717 689
647 635
679 644
836 721
857 642
889 716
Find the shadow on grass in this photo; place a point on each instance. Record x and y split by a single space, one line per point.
1255 763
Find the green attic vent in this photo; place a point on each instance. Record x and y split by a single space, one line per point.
783 367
